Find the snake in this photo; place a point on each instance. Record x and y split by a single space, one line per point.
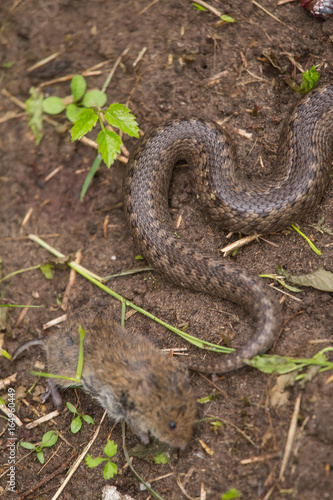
292 189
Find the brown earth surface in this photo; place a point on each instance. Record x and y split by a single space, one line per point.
193 65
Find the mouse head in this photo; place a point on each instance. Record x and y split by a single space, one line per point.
164 404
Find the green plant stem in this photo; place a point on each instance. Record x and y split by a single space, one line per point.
314 248
19 271
123 312
100 120
93 278
156 495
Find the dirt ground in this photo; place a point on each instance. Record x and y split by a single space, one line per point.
193 66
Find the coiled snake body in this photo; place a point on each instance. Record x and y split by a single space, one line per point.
294 187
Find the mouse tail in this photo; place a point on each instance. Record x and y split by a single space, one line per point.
26 345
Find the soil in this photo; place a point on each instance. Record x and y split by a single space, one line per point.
193 66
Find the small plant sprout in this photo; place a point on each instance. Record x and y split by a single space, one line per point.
77 422
110 468
49 439
309 79
84 109
231 494
161 458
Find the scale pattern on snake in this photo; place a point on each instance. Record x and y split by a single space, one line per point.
294 188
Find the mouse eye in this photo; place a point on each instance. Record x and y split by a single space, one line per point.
172 424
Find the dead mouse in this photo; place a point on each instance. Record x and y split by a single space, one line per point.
128 376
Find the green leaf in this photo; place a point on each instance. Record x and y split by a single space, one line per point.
119 116
309 79
231 494
205 400
40 456
5 354
275 363
53 105
49 439
47 271
78 87
110 470
94 98
314 248
228 19
73 112
27 446
76 424
320 279
90 176
7 65
94 462
161 458
88 419
288 287
34 110
198 7
71 407
110 449
108 145
216 423
85 122
2 402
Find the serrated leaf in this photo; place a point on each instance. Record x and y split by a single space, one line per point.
71 407
49 439
109 144
47 271
94 462
78 87
94 98
73 112
76 424
28 446
110 448
34 110
88 419
53 105
40 456
119 116
84 123
309 79
320 279
110 470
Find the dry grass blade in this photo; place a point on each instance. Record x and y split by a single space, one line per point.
148 7
7 412
43 419
209 7
79 459
290 438
270 14
238 244
182 489
43 62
